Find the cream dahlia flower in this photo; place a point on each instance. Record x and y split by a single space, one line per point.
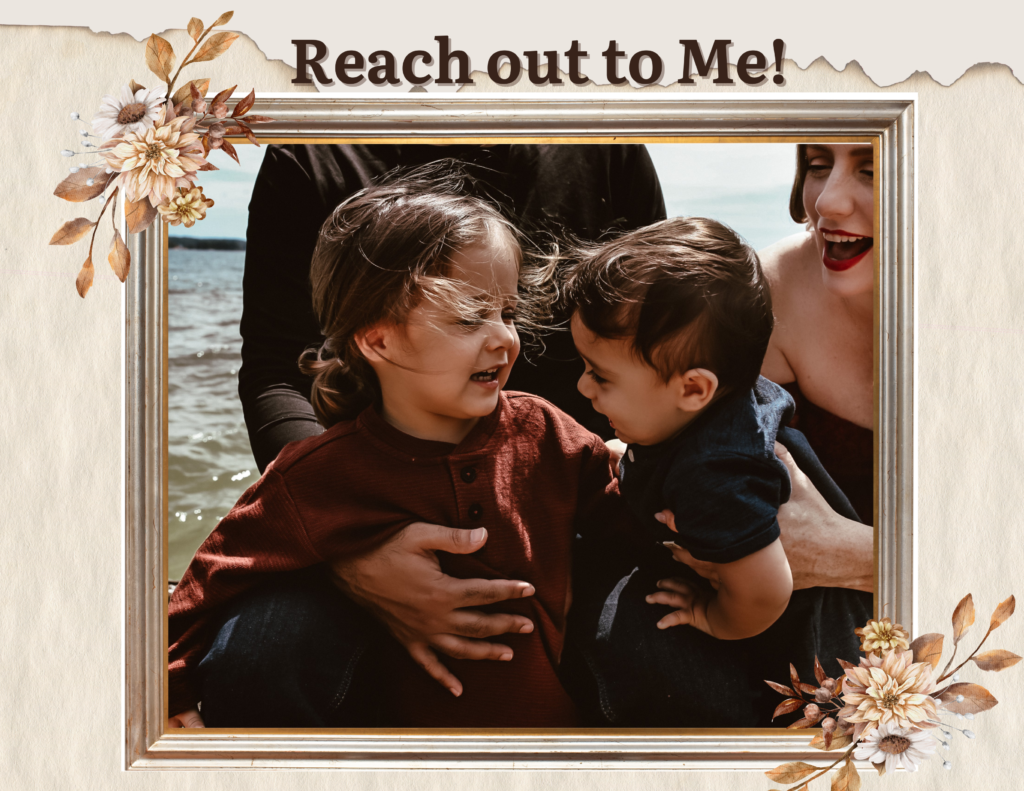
881 637
187 207
129 112
895 746
154 164
892 689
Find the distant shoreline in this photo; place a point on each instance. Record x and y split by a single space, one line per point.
193 243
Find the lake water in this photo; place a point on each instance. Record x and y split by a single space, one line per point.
209 460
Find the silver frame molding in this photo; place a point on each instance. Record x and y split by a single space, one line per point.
885 118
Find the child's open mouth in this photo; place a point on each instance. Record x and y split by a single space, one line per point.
844 250
490 376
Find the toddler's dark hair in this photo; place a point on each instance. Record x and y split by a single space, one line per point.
381 253
688 292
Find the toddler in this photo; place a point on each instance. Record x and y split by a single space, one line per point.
416 287
673 322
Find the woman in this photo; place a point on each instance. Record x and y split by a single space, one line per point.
822 285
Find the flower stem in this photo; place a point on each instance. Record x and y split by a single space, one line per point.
831 766
185 62
96 227
946 675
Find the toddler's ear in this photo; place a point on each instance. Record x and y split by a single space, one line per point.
696 389
373 342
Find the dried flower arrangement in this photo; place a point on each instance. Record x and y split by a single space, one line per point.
886 709
152 148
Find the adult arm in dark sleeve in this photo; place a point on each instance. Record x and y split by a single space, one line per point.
285 215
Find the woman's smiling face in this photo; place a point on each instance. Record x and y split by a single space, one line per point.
839 199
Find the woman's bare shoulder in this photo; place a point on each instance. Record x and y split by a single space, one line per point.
788 257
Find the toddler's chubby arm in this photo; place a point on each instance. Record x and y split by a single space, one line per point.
752 593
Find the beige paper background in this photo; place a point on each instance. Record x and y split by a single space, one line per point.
60 395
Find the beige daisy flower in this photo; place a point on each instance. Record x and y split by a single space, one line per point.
188 207
892 689
895 747
158 161
130 111
881 637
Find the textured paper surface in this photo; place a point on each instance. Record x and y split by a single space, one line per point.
60 395
889 40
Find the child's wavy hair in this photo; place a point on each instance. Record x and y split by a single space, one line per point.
687 292
384 251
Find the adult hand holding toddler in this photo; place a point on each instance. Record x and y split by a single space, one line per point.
429 611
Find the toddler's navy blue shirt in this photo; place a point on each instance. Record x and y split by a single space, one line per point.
719 476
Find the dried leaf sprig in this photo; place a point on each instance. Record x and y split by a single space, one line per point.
156 147
884 709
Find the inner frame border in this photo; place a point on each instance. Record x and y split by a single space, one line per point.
886 120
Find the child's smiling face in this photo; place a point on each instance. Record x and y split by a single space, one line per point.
641 407
441 372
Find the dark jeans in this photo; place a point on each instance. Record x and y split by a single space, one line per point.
299 654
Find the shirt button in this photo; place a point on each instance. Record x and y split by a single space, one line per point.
475 511
468 474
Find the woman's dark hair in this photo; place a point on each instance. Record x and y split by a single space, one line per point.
796 195
687 291
381 253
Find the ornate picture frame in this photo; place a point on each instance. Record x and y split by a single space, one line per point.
887 121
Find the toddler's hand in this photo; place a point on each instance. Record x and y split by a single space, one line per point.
689 603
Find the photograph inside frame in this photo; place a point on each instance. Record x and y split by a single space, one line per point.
589 350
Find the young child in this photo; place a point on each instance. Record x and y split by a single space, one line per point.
416 288
673 322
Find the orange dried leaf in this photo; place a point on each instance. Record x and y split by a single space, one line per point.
73 230
136 87
1003 611
215 46
963 617
791 772
976 698
84 280
844 664
880 767
160 57
139 215
258 119
75 188
230 150
248 134
195 28
807 688
224 95
990 660
185 96
244 105
803 722
928 648
847 778
839 741
223 19
793 676
787 707
782 689
819 672
119 257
